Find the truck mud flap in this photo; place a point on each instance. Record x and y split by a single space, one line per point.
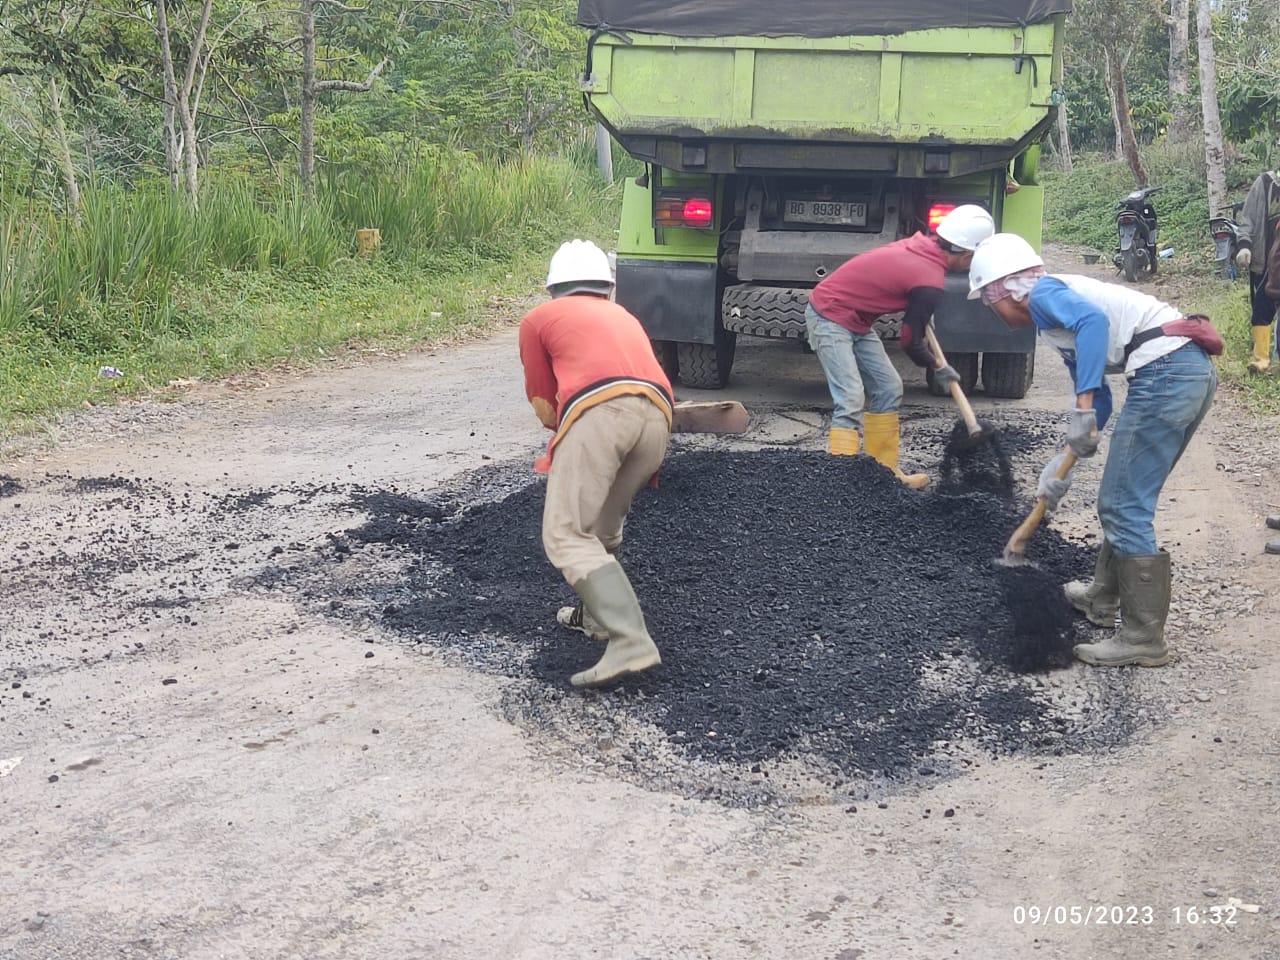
673 300
969 326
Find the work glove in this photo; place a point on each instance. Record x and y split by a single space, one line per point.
1243 258
945 376
1052 487
1082 433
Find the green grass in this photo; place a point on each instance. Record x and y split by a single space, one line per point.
1079 209
1228 305
143 284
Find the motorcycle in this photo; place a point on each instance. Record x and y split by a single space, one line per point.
1138 229
1226 240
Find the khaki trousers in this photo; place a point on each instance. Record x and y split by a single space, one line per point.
605 459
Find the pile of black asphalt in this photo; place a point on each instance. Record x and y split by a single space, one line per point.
804 605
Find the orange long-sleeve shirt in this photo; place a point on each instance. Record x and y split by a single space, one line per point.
579 351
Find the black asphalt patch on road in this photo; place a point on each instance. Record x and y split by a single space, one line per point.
821 625
805 605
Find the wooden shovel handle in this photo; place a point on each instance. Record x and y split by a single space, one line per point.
957 394
1017 545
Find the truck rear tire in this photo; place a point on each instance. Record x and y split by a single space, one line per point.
765 311
1008 374
706 366
665 351
966 364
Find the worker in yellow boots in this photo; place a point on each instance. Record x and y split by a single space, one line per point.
1257 245
592 378
907 275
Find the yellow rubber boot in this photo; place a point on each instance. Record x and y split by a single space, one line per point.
843 442
1260 362
883 436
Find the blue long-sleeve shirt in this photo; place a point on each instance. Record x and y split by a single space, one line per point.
1056 307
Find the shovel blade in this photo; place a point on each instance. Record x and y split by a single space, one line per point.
718 416
1013 558
985 431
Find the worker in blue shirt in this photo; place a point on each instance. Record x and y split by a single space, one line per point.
1103 328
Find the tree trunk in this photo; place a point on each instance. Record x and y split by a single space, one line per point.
307 134
1214 155
1064 138
64 150
1126 141
177 101
187 109
190 157
170 95
1182 123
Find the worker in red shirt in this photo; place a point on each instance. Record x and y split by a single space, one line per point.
907 275
592 377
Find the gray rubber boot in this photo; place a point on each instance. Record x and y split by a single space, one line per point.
1144 607
608 594
1098 599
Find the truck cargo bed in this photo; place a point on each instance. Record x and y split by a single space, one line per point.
972 97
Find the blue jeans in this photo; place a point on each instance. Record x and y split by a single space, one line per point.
1168 398
859 372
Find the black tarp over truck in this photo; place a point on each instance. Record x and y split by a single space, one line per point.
781 139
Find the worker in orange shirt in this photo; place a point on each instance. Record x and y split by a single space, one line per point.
592 377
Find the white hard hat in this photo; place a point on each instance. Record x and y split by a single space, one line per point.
997 257
966 226
580 262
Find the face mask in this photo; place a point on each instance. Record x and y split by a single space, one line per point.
1017 285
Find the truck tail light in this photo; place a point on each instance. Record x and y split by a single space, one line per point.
684 210
937 212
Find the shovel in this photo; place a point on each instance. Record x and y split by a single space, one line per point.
715 416
1015 551
980 431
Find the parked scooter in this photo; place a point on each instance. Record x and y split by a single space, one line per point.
1138 229
1226 240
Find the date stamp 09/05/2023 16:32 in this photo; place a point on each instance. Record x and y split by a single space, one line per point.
1130 915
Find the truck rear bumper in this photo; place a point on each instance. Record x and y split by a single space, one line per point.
679 301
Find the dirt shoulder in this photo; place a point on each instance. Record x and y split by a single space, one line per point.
195 763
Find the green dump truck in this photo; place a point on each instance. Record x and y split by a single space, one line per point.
782 138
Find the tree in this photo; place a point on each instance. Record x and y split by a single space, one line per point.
498 74
1064 138
312 87
48 48
64 149
1214 155
1183 120
1115 28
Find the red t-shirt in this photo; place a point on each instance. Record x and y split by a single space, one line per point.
877 282
579 351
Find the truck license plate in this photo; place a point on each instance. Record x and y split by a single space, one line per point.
826 211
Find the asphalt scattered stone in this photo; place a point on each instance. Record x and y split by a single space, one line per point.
823 629
980 467
1043 620
805 605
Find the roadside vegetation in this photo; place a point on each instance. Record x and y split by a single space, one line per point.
1080 210
181 183
143 283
